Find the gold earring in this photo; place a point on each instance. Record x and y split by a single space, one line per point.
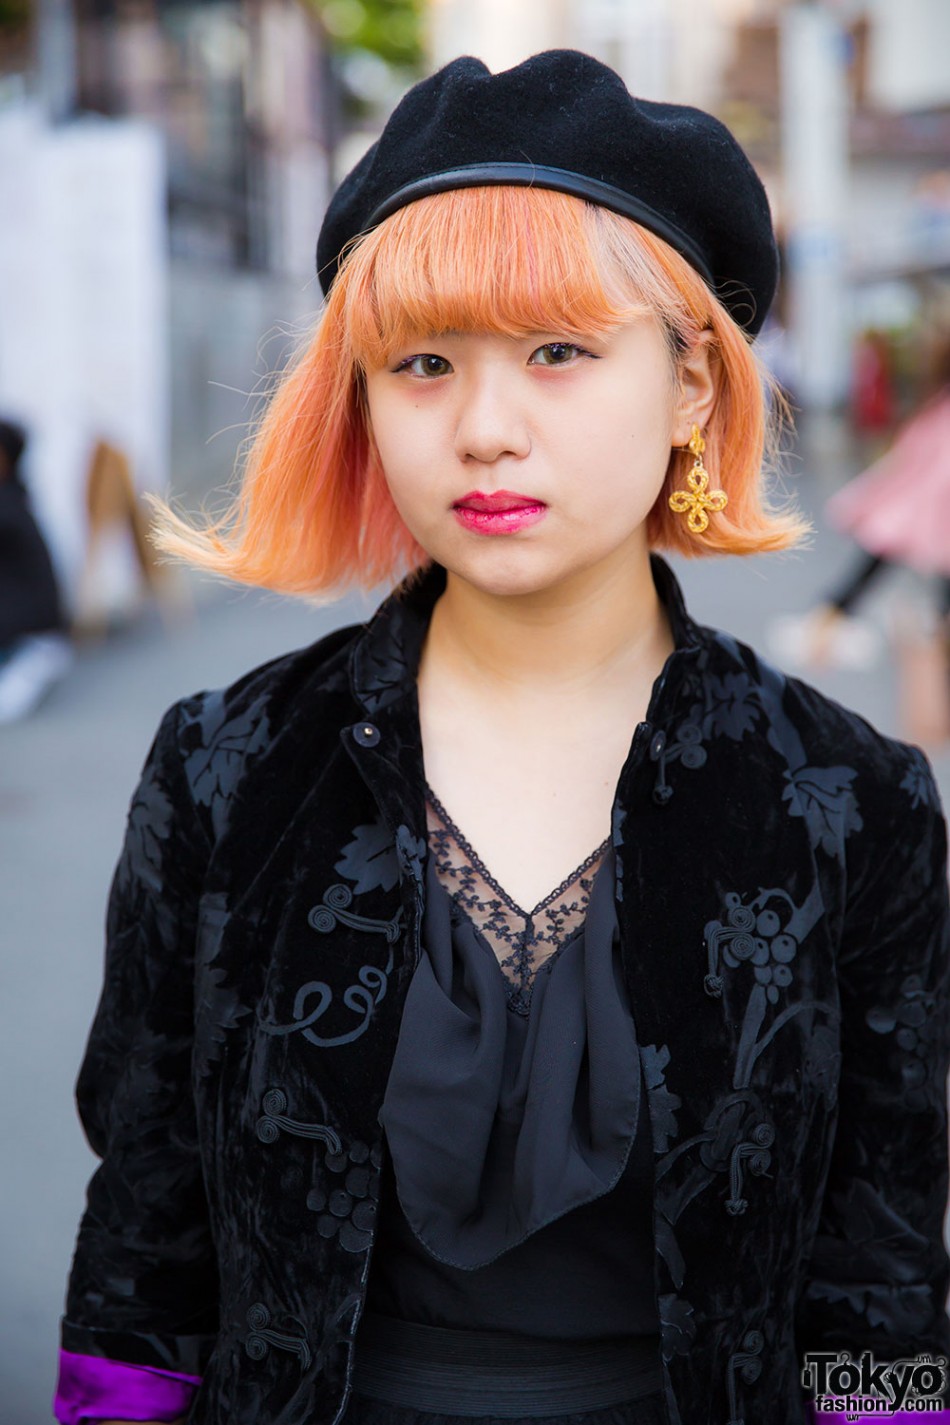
695 501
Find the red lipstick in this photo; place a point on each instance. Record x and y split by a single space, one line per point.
503 512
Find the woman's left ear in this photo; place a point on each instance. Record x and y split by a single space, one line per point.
697 387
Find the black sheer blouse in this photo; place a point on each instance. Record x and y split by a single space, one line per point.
518 1194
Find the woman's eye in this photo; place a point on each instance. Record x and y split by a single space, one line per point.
557 353
425 365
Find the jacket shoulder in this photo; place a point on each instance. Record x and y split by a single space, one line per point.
828 748
219 733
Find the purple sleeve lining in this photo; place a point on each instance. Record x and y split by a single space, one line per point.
91 1388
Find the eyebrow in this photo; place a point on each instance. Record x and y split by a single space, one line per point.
539 331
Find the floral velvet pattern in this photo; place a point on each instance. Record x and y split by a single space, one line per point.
781 892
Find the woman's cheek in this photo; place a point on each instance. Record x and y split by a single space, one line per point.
416 509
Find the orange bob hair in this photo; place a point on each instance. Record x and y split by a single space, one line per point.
313 514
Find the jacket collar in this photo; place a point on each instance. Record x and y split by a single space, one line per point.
385 660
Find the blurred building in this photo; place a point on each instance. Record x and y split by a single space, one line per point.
83 308
242 91
895 86
164 167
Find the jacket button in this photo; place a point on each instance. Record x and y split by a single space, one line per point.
366 734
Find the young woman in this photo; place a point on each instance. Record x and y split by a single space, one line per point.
529 1004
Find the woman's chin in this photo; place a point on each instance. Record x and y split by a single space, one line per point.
511 572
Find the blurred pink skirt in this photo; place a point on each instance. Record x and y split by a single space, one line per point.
900 507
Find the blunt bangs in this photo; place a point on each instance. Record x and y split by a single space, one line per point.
502 260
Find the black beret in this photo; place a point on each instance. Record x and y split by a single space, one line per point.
563 120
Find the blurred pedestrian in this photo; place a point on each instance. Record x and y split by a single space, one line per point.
35 650
872 396
120 570
381 1145
898 512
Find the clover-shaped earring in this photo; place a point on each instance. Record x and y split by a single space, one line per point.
695 501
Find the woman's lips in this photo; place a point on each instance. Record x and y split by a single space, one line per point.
503 512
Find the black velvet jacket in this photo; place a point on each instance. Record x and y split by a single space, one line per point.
781 878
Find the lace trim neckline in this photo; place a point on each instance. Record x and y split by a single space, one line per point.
479 864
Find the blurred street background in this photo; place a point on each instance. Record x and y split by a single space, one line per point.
164 168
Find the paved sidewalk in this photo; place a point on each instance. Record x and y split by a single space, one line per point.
65 780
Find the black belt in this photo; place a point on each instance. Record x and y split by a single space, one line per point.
490 1373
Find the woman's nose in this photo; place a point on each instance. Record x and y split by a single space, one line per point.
491 419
